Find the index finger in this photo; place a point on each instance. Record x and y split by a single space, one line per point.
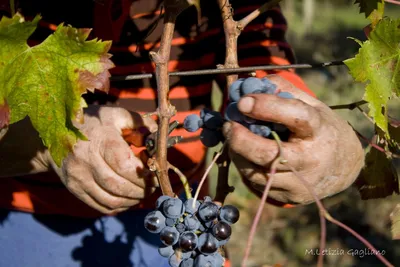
301 119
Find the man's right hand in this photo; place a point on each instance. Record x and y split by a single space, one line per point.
104 172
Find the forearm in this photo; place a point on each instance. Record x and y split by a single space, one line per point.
22 151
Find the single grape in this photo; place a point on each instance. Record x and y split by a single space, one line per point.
229 214
210 138
232 113
191 123
173 208
174 260
166 251
205 261
169 235
260 130
286 95
161 200
188 241
189 206
252 85
234 90
180 227
154 222
170 221
207 243
191 223
221 230
208 225
187 263
208 211
213 120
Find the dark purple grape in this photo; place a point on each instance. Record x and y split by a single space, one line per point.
213 120
232 113
210 138
187 263
207 243
154 222
161 200
188 241
234 90
260 130
221 230
189 206
208 211
253 85
166 251
180 227
191 223
169 236
286 95
191 123
229 214
173 208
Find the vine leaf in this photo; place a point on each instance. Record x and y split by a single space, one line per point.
45 82
378 63
378 178
395 219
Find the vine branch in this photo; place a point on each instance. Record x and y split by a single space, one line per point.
253 15
165 109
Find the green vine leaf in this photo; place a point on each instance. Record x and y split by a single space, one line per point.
45 82
378 64
378 179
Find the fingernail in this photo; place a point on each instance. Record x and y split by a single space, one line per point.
246 104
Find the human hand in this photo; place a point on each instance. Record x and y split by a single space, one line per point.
322 148
103 172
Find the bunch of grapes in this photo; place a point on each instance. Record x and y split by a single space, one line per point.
253 85
192 234
211 121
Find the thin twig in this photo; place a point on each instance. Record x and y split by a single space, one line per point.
203 179
350 106
183 179
229 70
257 218
253 15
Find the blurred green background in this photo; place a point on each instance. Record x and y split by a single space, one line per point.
318 32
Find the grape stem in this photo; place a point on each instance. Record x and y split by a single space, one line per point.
183 179
203 179
165 110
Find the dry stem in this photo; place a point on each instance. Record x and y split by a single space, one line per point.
165 109
249 18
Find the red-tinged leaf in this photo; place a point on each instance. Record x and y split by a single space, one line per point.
378 179
46 82
4 115
395 219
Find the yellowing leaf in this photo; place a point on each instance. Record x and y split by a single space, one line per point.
377 63
378 179
45 82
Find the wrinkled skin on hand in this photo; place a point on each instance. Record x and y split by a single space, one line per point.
104 172
323 148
